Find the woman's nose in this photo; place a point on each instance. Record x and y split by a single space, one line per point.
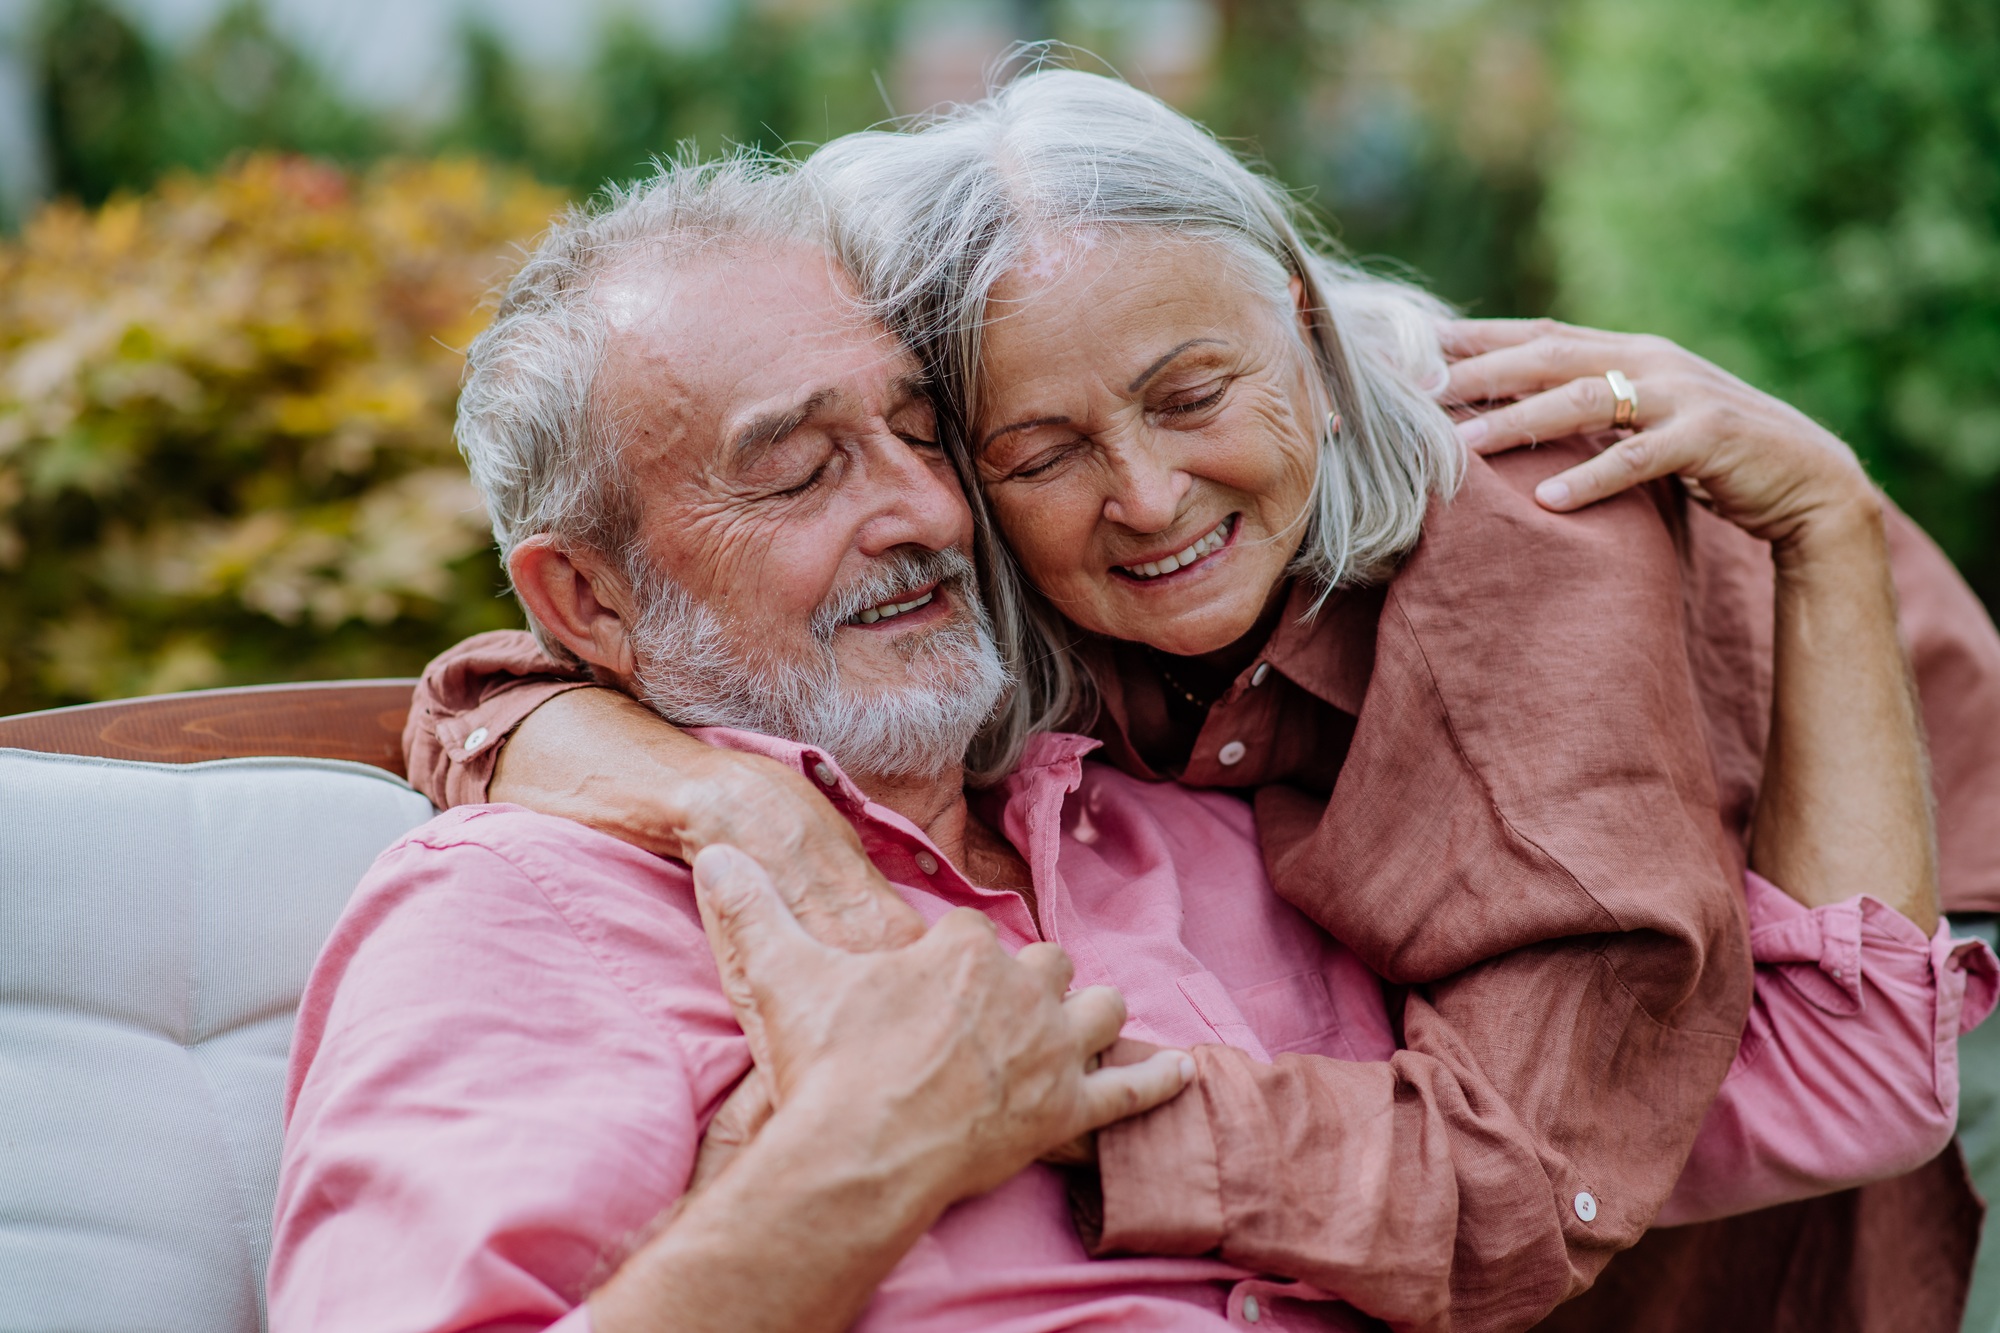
1147 491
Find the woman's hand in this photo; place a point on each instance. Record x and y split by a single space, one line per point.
1843 806
605 760
1758 462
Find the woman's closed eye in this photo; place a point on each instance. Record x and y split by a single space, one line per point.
1192 401
1041 463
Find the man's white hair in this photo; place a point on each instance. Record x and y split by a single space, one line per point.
537 441
549 461
929 219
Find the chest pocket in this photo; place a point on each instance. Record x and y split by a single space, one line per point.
1295 1013
1211 999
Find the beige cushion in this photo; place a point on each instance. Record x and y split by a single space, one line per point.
157 923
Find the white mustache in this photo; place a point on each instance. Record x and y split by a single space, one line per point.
894 578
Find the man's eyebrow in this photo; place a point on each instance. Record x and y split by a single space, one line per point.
1159 365
914 386
771 427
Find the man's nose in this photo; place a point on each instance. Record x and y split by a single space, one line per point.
1147 488
918 499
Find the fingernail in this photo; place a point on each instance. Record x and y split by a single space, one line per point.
717 858
1553 493
720 866
1187 1068
1473 431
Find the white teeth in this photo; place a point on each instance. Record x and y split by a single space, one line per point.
889 609
1152 569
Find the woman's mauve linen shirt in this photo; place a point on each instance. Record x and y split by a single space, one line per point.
1517 781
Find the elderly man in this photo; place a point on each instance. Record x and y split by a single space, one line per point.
514 1040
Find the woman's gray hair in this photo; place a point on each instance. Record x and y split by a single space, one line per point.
533 436
928 220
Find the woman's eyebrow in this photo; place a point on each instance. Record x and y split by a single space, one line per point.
1020 425
1160 365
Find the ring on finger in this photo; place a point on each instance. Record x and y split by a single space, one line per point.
1628 399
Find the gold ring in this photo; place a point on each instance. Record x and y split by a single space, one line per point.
1627 396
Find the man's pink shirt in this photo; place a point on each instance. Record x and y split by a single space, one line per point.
515 1037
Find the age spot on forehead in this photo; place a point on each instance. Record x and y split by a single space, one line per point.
1049 256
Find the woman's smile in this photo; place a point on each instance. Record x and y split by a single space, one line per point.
1149 437
1151 569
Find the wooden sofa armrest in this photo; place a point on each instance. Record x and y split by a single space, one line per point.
359 720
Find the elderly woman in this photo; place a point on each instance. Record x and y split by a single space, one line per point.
1510 755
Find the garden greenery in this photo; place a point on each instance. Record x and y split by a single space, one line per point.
225 427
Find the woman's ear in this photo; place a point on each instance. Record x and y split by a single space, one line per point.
1301 308
578 600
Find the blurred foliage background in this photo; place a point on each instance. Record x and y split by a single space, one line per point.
231 289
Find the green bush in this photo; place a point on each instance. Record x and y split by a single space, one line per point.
225 427
1809 192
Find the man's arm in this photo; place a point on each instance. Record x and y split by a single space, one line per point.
881 1125
492 1104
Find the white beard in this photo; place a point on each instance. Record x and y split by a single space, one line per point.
693 672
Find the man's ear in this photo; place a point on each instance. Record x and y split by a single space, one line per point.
578 600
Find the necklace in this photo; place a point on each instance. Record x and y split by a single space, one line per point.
1159 662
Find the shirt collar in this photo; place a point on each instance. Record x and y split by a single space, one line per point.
1051 766
1048 756
1328 652
813 763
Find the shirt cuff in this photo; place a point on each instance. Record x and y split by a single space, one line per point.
465 747
1162 1188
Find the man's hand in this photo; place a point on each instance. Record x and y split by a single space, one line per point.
947 1061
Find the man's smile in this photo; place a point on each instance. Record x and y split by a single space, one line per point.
910 608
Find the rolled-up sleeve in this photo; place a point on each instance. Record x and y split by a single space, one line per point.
469 701
1848 1071
1454 1186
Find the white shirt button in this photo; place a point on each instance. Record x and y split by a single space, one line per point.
927 863
1586 1206
1232 753
475 740
1257 676
824 772
1252 1312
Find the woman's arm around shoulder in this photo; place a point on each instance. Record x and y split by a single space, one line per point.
497 718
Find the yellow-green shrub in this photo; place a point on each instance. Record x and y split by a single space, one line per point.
225 427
